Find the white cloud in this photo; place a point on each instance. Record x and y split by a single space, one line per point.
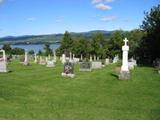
101 1
102 6
31 19
96 1
108 1
108 18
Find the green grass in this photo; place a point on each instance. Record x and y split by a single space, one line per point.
39 93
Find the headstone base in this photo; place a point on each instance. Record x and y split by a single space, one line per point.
85 70
3 71
50 66
124 75
25 63
68 75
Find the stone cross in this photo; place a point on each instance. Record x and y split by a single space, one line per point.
125 41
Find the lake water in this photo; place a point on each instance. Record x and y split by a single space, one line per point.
36 48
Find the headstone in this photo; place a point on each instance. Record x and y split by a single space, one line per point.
97 58
107 61
116 59
81 57
70 58
96 65
75 60
49 57
63 58
157 64
132 63
50 63
125 73
85 66
90 58
3 63
42 61
68 70
55 57
26 60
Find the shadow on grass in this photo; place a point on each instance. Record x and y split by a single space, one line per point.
114 75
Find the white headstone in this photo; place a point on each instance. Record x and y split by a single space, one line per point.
116 59
81 57
3 63
96 65
50 63
26 61
55 57
35 59
63 58
107 61
90 58
70 58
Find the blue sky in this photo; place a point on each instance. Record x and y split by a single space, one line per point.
33 17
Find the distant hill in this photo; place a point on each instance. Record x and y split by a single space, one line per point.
52 38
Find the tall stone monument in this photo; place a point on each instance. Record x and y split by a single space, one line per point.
26 61
3 63
125 73
35 58
55 57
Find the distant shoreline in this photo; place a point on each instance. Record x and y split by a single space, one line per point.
42 43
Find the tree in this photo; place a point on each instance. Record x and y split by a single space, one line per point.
149 48
31 52
66 44
134 37
47 49
115 43
18 51
40 53
81 46
7 48
97 44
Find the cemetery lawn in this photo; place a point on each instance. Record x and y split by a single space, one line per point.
39 93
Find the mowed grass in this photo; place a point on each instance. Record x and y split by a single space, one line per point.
39 93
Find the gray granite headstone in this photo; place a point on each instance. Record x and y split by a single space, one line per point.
85 66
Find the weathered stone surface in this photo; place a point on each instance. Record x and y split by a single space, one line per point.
96 65
124 75
85 66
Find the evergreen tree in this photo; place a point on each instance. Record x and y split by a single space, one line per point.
149 48
66 44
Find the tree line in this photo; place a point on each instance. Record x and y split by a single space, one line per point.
144 42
